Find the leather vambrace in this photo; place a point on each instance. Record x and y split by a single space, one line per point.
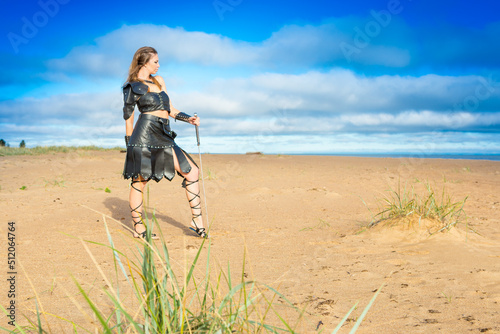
182 117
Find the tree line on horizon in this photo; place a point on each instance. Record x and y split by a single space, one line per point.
22 144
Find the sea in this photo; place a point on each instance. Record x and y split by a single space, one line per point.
468 156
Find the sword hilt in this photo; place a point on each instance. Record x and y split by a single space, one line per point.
197 132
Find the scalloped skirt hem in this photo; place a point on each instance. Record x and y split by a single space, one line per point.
155 163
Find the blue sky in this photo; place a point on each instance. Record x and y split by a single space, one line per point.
312 76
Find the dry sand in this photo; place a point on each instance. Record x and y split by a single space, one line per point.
297 216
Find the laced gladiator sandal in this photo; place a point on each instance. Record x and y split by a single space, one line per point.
196 196
139 217
199 230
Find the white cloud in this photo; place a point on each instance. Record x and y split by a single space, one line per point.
339 92
292 46
111 54
276 104
66 119
423 119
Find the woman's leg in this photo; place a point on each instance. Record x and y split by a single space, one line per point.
136 203
192 187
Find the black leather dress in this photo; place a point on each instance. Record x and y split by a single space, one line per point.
151 147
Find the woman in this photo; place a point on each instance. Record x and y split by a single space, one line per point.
151 150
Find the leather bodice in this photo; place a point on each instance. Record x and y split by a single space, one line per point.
137 93
152 101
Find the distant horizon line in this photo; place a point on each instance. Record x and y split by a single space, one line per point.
415 155
368 154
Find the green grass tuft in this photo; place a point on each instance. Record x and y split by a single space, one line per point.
211 175
39 150
322 224
406 206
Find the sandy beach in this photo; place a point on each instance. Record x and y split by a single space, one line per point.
294 220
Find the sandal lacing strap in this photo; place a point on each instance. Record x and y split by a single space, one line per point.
139 213
196 196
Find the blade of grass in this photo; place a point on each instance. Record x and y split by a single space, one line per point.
345 318
365 311
115 253
94 308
